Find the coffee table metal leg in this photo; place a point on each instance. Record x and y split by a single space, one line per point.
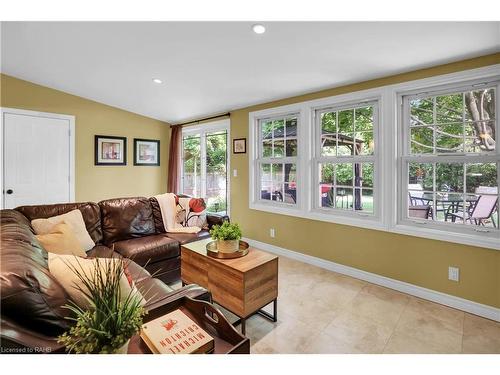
243 326
274 316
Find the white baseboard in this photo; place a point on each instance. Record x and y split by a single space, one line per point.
472 307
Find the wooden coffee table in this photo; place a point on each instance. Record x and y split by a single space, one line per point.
243 285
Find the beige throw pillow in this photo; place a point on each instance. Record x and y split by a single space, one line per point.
74 219
61 240
62 266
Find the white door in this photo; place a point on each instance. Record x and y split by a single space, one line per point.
36 159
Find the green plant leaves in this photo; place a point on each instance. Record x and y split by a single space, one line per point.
226 231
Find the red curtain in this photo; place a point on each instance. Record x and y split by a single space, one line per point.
173 160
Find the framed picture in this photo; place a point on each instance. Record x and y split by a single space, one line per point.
146 152
239 146
110 150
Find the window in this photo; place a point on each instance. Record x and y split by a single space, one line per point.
277 159
417 158
345 158
450 162
205 165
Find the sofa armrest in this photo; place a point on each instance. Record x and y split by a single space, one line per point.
15 339
214 219
192 290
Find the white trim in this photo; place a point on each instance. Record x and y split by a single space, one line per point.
462 304
72 137
388 174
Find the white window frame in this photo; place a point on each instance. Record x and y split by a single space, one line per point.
260 159
306 175
319 159
387 174
405 157
202 130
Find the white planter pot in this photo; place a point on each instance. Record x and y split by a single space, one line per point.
123 349
228 246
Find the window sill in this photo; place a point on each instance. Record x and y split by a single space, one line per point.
357 220
372 222
448 236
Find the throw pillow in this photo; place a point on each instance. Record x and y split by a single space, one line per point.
74 219
62 268
191 212
61 240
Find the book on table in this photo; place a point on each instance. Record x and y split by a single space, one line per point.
176 333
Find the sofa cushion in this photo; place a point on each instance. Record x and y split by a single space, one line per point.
184 238
90 212
69 271
126 218
101 251
75 221
148 249
61 240
167 270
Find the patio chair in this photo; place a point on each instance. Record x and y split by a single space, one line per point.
419 211
415 195
483 210
493 190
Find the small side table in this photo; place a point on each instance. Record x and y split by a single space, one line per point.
243 285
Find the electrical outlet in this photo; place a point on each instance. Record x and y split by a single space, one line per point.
235 173
453 273
272 232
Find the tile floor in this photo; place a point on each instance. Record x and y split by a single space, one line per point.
320 311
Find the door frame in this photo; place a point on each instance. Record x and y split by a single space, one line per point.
207 127
17 111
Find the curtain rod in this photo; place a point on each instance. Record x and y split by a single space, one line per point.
228 114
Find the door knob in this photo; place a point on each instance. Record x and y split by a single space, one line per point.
9 191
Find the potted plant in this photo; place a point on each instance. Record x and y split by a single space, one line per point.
107 325
227 236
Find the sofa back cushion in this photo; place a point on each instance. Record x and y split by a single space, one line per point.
126 218
30 296
90 211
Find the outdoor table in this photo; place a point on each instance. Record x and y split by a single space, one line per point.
450 203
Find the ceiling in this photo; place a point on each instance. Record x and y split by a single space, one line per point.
212 67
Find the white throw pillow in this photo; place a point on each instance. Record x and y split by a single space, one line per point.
62 266
74 219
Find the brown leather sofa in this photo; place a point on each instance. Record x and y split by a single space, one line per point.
133 228
32 315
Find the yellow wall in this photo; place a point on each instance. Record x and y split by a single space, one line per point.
414 260
94 183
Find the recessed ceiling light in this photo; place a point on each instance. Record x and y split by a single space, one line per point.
259 28
157 80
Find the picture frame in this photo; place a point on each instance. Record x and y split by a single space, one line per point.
110 150
239 146
146 152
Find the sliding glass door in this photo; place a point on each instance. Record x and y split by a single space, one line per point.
205 165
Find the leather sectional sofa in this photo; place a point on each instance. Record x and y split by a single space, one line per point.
32 315
131 227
